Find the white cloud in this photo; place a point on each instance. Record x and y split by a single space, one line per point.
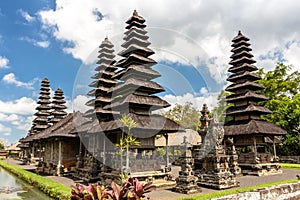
197 102
203 91
26 15
5 129
3 62
23 106
11 79
8 118
42 44
78 104
291 55
208 26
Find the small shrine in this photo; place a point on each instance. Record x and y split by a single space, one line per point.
246 130
186 183
212 164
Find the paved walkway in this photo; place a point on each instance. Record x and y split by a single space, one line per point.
166 193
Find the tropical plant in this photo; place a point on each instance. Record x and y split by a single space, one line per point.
91 192
129 140
130 189
283 90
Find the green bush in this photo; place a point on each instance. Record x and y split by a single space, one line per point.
50 187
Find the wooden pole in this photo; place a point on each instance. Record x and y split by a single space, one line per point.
274 147
167 149
59 158
104 156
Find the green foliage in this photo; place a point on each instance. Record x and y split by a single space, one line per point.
93 191
52 188
282 88
127 140
185 115
161 151
237 190
219 110
1 146
3 143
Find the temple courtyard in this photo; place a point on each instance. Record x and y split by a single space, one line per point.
164 190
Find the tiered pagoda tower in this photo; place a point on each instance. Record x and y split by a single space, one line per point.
246 128
88 167
134 95
41 122
136 89
103 83
58 106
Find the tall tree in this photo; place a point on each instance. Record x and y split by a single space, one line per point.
283 90
186 115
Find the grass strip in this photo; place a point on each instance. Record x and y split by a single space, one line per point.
50 187
290 166
237 190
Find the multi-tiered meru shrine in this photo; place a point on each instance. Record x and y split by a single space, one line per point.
132 92
246 128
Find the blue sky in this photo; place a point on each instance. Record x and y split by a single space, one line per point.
58 39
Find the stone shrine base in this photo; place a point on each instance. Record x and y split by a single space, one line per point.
263 169
218 181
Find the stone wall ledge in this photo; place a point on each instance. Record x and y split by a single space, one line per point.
289 191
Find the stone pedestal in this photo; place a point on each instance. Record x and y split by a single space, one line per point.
186 182
213 166
215 171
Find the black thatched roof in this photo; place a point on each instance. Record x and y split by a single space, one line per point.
241 48
136 69
244 75
242 67
135 17
234 110
135 59
252 127
246 96
141 100
246 85
135 84
63 128
146 124
136 49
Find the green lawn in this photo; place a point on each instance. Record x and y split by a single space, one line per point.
50 187
290 166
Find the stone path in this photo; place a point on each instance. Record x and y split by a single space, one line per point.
166 193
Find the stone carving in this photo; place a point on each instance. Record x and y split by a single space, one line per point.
212 164
186 182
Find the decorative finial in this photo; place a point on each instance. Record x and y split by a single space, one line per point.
135 13
240 33
106 38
